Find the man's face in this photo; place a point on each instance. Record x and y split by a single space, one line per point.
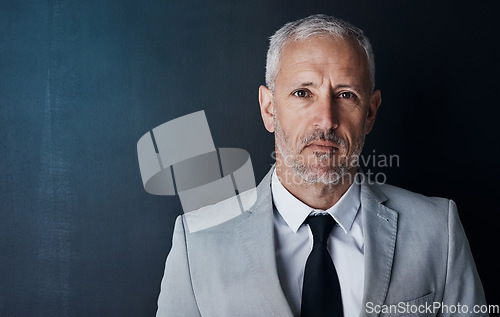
321 108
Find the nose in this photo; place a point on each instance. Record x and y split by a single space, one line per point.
326 113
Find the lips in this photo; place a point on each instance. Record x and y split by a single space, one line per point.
321 145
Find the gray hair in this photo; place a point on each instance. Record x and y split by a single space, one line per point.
319 24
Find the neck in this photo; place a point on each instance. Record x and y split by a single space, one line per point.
315 195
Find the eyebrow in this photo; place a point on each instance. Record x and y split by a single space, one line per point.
306 84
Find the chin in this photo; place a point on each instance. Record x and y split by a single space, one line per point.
321 174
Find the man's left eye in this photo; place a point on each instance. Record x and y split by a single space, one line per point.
346 95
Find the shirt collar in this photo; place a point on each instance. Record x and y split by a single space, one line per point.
295 212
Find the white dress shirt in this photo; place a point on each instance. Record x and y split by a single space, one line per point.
293 243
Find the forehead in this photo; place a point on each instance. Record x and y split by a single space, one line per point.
324 54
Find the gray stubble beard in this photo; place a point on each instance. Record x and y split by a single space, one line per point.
333 175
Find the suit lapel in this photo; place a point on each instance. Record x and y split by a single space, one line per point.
257 234
380 225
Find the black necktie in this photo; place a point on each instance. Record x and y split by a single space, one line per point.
321 289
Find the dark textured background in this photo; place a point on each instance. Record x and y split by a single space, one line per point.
82 81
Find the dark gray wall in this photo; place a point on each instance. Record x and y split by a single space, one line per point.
82 81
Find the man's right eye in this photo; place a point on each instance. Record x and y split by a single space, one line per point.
301 93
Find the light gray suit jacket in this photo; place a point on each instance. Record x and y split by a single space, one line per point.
416 252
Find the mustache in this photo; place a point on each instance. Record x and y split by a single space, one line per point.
322 135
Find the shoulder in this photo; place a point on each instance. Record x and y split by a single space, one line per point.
422 222
410 204
401 197
211 216
225 214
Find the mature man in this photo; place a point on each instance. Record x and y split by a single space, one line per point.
319 241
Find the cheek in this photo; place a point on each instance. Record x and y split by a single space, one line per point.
289 134
291 125
353 130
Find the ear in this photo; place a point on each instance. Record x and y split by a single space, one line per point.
266 107
375 100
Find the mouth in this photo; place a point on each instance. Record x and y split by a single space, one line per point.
322 146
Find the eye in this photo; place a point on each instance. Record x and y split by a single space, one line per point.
346 95
301 93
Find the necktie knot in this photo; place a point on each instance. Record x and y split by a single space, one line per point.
321 226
